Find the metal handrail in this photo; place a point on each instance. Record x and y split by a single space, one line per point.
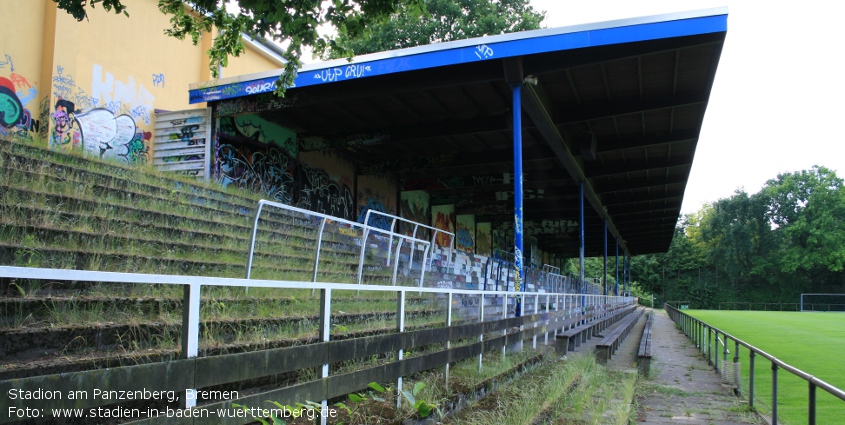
324 218
394 219
695 330
193 286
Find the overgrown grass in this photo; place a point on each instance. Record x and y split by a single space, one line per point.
573 391
812 342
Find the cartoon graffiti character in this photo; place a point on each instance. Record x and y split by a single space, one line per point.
65 134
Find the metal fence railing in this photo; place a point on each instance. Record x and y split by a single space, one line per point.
204 372
704 336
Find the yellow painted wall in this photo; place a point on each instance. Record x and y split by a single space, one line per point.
21 84
94 85
250 61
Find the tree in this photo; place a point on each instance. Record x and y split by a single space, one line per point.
291 22
807 210
445 20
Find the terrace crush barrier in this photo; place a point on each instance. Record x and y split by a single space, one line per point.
701 333
177 377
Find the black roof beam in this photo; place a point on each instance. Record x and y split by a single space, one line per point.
536 105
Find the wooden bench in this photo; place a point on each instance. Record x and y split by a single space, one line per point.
578 329
644 353
610 343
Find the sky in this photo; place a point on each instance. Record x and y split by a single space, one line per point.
778 95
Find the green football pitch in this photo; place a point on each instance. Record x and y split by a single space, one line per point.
812 342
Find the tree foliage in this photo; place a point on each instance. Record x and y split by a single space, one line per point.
291 22
445 20
769 246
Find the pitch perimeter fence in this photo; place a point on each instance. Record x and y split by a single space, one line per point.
705 337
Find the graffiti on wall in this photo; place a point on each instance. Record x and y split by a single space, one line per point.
502 242
369 199
253 129
104 123
483 238
414 205
443 217
16 92
98 132
321 193
252 104
158 80
116 95
255 155
264 171
465 233
363 139
458 182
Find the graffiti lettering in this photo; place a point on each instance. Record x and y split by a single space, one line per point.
260 88
263 102
257 171
469 301
63 84
44 113
486 180
483 51
348 232
9 62
329 74
188 131
320 193
356 71
158 79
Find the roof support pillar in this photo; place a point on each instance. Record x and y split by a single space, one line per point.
604 278
616 283
581 242
517 195
625 273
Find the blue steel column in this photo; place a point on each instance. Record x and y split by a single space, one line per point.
517 194
616 290
625 273
581 254
604 279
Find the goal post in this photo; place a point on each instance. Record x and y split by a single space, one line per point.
822 302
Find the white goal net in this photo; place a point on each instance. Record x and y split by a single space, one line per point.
823 302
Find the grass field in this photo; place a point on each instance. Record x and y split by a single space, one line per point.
812 342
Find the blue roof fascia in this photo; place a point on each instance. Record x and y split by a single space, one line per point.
485 48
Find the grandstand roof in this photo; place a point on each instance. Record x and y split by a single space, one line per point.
618 105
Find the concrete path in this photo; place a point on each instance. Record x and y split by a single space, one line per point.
683 388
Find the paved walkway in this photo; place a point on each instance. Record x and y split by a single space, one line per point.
683 388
